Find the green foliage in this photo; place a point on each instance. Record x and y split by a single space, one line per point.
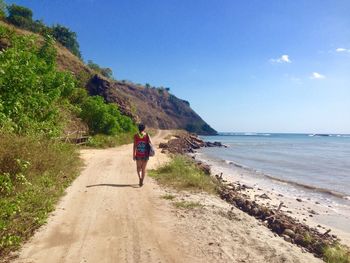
67 38
183 174
33 174
107 72
20 16
105 141
2 9
23 17
336 254
188 204
104 118
30 86
168 196
38 26
78 96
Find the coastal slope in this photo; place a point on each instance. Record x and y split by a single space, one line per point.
155 106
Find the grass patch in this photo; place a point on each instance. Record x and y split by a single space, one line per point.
183 174
106 141
168 196
336 254
307 239
187 204
34 173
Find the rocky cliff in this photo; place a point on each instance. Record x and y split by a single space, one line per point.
155 107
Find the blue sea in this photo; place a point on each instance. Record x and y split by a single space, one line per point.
313 164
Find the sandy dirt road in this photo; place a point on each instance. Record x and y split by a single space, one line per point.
106 217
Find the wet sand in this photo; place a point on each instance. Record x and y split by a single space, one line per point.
311 211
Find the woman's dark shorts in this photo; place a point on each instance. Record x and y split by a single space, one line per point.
146 158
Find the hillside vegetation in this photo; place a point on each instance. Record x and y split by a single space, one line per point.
46 93
155 106
38 103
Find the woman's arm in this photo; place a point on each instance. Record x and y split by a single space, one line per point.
134 150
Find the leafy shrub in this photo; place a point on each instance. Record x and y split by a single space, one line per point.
2 9
67 38
38 26
30 85
20 16
107 72
104 118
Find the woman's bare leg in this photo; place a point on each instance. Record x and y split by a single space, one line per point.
143 172
139 168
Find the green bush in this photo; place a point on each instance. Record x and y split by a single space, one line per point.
20 16
107 72
31 86
2 9
67 38
38 26
104 118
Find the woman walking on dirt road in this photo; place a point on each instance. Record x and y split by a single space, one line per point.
141 151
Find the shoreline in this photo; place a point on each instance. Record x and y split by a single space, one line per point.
307 210
217 229
292 219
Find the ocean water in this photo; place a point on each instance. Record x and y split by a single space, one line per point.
311 164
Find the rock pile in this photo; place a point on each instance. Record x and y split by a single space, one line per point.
186 143
285 226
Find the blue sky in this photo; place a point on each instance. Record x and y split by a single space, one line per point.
249 65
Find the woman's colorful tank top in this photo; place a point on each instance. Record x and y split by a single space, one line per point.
141 142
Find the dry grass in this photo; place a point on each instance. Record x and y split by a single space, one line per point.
34 173
187 205
168 196
66 61
336 254
182 173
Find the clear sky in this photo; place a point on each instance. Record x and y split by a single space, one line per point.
248 65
